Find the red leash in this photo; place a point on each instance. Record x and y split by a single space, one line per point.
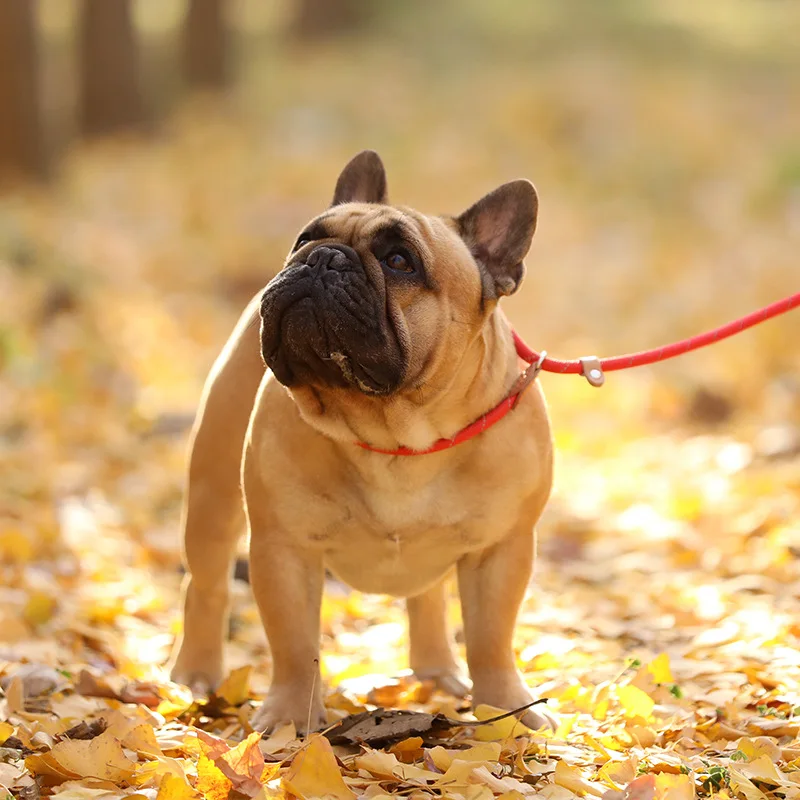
593 369
578 365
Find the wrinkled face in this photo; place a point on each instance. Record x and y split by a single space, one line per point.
374 296
364 297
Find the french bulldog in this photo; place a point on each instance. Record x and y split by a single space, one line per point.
381 329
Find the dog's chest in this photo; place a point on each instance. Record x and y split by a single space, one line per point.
401 529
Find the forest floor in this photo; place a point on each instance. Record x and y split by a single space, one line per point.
663 622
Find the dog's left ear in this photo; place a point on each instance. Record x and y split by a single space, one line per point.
363 180
498 230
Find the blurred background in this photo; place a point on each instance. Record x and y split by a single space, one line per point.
158 158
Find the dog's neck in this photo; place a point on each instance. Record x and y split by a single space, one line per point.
464 389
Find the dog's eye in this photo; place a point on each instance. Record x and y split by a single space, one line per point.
301 240
398 262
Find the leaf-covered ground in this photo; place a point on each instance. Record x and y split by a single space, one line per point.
664 620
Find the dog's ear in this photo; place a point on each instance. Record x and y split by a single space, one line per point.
363 180
498 230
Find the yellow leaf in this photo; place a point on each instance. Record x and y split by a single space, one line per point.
408 750
152 772
644 736
489 751
742 785
507 728
85 790
174 788
641 788
386 765
211 783
6 730
570 778
15 695
314 773
660 669
279 739
497 785
236 687
674 787
133 733
462 773
243 765
15 546
440 757
762 769
565 726
39 608
46 767
760 746
595 745
101 757
635 702
618 774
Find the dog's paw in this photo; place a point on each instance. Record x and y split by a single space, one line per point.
510 692
451 680
289 704
201 673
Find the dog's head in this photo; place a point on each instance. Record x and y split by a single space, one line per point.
373 296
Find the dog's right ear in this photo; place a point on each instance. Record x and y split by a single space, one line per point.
363 180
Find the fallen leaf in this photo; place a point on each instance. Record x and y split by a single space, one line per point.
314 773
174 788
235 689
101 757
507 728
570 778
635 702
243 765
212 784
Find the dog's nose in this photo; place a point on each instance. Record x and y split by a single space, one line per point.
338 257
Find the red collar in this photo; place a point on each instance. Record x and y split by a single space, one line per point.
485 422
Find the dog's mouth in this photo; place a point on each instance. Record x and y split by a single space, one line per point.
324 323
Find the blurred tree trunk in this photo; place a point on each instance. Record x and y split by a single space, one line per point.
21 136
111 95
320 18
205 45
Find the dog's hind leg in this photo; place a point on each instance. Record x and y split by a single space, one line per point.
213 515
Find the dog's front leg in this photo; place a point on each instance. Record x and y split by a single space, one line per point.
287 584
492 585
431 645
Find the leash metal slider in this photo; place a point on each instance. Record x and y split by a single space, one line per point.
528 377
592 370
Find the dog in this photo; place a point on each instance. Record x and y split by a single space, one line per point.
382 328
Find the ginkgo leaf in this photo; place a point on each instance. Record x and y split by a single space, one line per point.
314 773
101 757
635 702
506 728
174 788
212 784
236 686
243 765
660 669
571 778
386 765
